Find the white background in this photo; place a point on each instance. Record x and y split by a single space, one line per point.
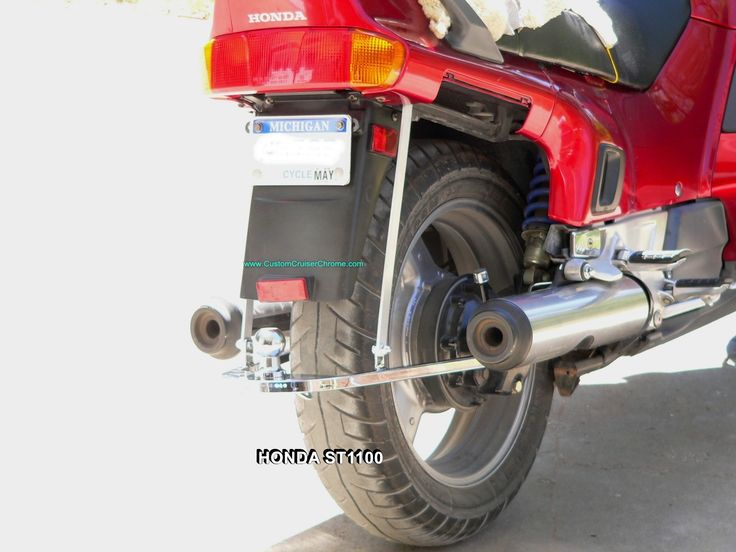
122 210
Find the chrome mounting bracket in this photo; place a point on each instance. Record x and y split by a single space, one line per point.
381 349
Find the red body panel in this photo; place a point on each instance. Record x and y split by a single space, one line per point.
670 133
720 12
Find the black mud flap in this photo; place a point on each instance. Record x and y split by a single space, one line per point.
318 224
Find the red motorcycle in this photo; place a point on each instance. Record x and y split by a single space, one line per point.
447 229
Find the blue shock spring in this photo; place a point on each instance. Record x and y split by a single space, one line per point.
536 213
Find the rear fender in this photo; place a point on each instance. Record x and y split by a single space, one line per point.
318 223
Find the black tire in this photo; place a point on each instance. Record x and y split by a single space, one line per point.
398 499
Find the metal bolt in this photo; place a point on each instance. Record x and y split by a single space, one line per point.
480 276
448 343
258 127
518 386
380 352
340 125
657 319
578 270
395 117
678 189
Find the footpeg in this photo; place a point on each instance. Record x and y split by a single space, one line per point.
707 289
653 260
701 283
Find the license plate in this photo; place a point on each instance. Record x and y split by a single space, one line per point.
300 151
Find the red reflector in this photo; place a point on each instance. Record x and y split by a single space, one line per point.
385 141
293 289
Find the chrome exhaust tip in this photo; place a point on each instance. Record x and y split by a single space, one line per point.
216 329
500 335
535 327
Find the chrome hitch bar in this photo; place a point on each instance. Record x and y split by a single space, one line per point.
316 384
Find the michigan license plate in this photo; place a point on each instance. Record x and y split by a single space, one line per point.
300 151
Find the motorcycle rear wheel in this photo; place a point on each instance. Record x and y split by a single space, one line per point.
459 213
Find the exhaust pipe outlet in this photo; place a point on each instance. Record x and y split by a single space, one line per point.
216 329
524 329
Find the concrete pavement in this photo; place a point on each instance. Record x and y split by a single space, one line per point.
648 465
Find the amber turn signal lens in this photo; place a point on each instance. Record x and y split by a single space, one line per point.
376 61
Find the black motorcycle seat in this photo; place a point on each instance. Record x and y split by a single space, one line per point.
647 33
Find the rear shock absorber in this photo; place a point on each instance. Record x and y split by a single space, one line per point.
535 227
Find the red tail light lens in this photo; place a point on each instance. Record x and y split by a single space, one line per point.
302 59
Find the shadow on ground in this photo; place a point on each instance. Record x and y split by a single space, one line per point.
645 465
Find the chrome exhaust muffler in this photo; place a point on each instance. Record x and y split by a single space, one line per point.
217 326
524 329
216 329
504 334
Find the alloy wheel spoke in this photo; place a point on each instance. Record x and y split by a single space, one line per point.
421 267
410 405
